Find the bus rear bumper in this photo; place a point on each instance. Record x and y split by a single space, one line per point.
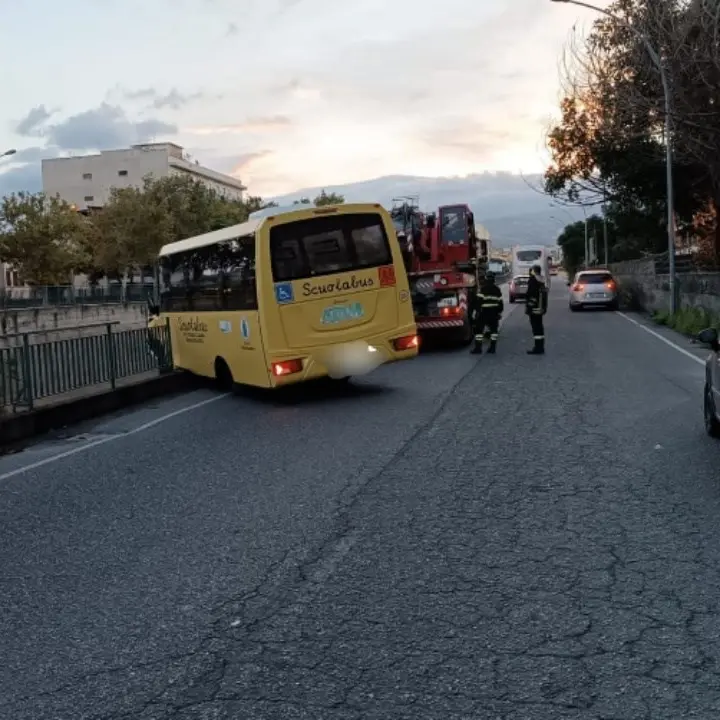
341 360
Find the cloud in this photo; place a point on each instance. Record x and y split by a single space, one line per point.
468 136
34 155
251 125
232 30
32 124
104 128
25 177
244 162
173 100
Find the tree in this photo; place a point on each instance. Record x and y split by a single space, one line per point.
302 201
325 198
44 238
137 222
610 138
132 228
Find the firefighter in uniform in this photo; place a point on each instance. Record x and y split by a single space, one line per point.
487 309
535 308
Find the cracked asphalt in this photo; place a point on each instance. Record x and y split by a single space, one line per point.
502 538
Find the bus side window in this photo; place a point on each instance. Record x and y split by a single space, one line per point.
175 276
205 280
240 271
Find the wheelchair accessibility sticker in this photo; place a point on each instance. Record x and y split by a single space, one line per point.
245 329
284 293
225 326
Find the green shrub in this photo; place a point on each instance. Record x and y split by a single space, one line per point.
688 321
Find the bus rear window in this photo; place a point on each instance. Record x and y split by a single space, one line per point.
528 255
326 245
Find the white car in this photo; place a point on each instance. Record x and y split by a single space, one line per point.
594 288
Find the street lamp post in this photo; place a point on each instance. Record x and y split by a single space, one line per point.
657 61
8 152
587 233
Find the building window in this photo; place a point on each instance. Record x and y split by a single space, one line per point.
89 198
122 173
87 176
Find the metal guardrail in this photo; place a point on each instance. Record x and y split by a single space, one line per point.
32 372
65 295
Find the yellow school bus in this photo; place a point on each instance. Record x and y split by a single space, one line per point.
290 295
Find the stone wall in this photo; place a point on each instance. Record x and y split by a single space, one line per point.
644 289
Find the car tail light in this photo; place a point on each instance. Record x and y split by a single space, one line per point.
610 285
286 367
409 342
577 287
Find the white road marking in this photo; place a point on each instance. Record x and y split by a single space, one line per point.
687 353
103 441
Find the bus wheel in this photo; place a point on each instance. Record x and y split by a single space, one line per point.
223 376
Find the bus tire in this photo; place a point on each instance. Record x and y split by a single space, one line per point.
223 376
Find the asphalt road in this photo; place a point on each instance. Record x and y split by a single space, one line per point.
505 538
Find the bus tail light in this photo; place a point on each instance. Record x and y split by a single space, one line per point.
409 342
286 367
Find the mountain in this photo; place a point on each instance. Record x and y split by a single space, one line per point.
513 208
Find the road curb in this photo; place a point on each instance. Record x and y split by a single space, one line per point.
22 426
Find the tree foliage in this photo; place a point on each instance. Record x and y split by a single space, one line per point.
44 238
609 144
48 241
324 198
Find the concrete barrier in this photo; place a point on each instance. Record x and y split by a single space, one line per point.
15 428
60 319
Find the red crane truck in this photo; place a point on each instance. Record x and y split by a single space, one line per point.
444 260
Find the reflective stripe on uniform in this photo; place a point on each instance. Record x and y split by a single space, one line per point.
479 338
538 337
494 336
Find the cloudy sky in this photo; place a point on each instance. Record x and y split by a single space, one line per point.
285 93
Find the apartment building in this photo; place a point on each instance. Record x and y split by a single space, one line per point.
86 181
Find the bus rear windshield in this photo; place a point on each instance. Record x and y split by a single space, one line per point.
528 255
326 245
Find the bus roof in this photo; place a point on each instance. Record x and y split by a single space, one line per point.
216 236
257 219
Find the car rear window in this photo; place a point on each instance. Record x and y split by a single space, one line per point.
595 278
520 280
325 245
